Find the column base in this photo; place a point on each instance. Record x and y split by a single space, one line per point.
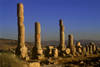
21 52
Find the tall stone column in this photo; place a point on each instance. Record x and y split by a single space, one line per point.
61 46
37 49
62 35
70 40
21 50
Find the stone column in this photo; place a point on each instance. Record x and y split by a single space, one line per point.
62 35
21 50
93 47
55 53
87 48
70 41
37 49
90 49
61 47
84 49
73 50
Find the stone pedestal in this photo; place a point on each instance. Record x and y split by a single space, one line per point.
55 52
73 50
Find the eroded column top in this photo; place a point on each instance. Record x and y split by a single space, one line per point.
60 22
20 10
37 27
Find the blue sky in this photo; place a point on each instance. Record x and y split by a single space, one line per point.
80 18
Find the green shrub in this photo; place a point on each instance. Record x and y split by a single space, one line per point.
7 60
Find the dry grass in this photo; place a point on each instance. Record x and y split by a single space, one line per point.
8 60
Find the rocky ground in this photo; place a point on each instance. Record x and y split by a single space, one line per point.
91 60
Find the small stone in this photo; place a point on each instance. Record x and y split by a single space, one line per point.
34 64
27 58
55 62
99 60
95 52
70 55
25 65
81 62
92 63
77 53
97 63
85 55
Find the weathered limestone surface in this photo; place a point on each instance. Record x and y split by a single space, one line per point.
34 64
62 36
21 50
73 50
84 49
37 49
49 50
87 48
55 53
79 50
67 51
70 40
97 48
90 49
70 45
93 47
78 44
61 47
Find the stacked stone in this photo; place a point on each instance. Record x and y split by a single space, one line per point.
70 41
21 50
67 51
78 47
87 48
37 49
78 44
97 49
61 46
49 50
55 52
83 49
90 49
79 50
93 47
71 46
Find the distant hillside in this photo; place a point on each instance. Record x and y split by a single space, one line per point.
8 43
83 42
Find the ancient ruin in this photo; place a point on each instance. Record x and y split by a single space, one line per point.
61 46
46 55
37 49
21 50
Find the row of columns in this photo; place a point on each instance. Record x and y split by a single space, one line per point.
21 50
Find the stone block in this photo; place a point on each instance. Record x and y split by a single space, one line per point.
34 64
67 51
